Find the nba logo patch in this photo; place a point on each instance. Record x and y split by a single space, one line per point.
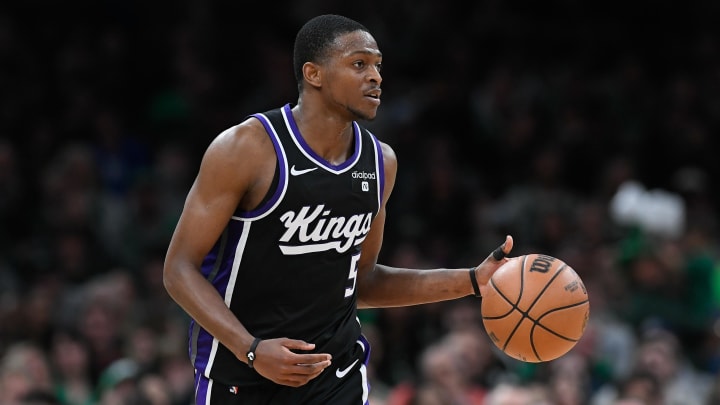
360 186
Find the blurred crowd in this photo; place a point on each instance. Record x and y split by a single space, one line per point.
588 132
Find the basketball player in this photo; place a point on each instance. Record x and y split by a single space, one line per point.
277 244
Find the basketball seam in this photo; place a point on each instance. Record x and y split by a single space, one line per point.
554 310
512 306
522 279
515 305
537 298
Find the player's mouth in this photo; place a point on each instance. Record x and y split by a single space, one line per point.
374 95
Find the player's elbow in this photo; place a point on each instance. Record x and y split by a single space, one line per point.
171 275
367 287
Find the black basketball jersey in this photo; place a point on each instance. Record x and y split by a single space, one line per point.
288 268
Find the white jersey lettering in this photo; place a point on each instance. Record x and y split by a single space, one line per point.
314 230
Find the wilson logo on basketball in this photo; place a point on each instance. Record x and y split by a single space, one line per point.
542 264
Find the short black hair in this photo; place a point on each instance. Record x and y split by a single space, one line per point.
313 39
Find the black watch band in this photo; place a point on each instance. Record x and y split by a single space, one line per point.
251 353
473 281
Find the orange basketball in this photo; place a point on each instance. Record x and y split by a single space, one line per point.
536 308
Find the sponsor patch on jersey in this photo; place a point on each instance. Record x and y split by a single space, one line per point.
361 181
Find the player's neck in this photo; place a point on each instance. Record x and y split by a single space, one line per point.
330 136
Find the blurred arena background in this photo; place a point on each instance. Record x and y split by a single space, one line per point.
587 131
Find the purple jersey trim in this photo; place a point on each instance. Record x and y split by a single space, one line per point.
380 170
202 388
282 166
216 268
298 136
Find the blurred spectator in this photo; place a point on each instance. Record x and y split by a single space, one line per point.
641 386
100 321
119 157
670 285
155 389
609 342
570 379
512 393
179 378
70 363
714 395
444 380
24 370
475 352
661 354
118 383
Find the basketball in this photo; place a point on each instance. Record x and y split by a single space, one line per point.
536 308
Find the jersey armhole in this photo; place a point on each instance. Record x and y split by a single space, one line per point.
273 186
279 182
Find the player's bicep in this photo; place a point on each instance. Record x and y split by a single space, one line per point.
203 219
213 198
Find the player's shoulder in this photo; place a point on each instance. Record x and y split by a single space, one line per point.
247 137
387 151
249 130
388 156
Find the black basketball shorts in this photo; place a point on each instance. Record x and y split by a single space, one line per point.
345 382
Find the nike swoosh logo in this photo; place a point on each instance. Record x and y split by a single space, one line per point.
342 373
297 172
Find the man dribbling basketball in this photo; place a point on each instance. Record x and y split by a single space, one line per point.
277 245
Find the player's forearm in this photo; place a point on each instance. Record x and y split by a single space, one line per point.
202 302
386 286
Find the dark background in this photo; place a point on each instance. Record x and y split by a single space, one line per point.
516 117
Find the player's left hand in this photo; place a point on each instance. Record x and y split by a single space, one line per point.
497 258
278 361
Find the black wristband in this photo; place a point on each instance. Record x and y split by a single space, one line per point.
473 280
251 353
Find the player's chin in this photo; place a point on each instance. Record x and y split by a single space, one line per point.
370 117
374 104
367 114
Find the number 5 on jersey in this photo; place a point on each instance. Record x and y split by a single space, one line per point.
352 277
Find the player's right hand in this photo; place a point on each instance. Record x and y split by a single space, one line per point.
489 266
276 361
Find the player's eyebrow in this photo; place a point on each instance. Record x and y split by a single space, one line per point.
366 52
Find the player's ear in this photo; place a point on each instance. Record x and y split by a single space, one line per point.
312 74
